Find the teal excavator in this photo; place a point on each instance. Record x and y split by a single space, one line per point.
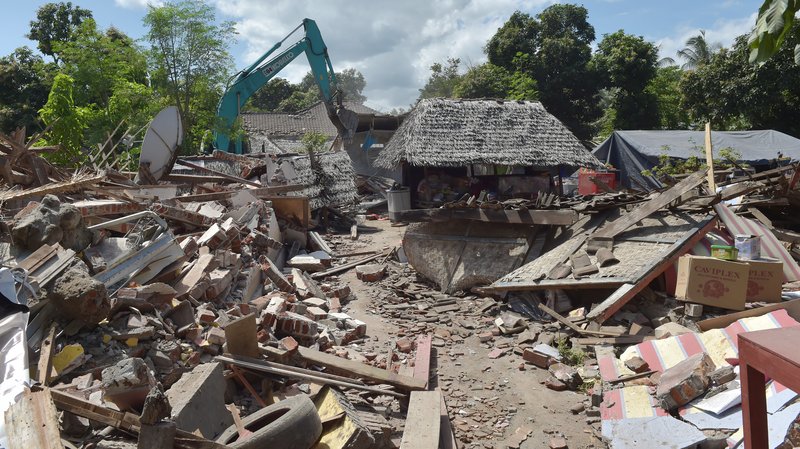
248 81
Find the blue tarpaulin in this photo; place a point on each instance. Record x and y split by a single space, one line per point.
631 152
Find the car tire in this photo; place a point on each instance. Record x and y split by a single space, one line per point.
289 424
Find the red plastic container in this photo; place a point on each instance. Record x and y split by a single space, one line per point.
587 187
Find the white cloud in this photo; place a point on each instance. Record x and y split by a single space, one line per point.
392 43
723 32
134 4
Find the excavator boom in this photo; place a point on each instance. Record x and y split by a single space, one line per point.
249 80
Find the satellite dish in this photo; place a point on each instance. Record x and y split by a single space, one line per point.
160 141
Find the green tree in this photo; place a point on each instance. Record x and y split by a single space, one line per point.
773 25
734 94
557 43
67 123
269 96
350 83
25 81
627 64
98 60
491 81
519 35
190 61
443 79
666 87
55 23
698 51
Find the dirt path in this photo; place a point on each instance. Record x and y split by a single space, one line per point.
488 399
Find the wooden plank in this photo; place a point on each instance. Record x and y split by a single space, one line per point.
32 422
627 291
546 284
345 267
45 365
712 186
619 225
572 325
623 340
561 217
123 420
218 173
422 360
422 421
299 373
358 369
792 308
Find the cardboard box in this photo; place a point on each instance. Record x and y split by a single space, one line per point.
765 281
749 246
711 281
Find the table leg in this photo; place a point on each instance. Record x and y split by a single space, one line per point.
754 408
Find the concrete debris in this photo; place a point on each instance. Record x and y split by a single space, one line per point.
685 381
210 296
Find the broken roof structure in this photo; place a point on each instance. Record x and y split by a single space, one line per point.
453 133
280 132
632 152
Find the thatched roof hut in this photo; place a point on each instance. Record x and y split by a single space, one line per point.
443 132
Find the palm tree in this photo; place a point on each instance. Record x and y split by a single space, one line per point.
698 51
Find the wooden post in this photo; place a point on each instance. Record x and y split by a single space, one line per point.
712 186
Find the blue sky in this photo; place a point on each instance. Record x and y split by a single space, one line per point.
393 43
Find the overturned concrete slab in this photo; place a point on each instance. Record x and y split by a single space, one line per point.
461 254
658 431
198 401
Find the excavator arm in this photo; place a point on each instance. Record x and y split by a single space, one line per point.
249 80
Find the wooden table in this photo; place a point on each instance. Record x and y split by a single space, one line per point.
773 353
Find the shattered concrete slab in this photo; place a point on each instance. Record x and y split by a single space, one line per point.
652 432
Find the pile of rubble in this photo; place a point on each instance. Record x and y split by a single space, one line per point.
181 314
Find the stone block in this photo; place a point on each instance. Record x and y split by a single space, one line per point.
566 374
685 381
316 302
404 345
671 330
198 401
127 383
370 272
315 313
637 365
216 336
296 325
536 358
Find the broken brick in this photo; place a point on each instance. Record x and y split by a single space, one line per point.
685 381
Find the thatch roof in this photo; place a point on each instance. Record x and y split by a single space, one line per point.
334 186
453 133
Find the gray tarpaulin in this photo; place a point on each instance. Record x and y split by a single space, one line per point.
633 151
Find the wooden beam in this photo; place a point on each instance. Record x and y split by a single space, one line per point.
345 267
45 366
299 373
624 222
712 186
358 369
422 359
574 327
627 291
219 173
32 422
422 421
560 217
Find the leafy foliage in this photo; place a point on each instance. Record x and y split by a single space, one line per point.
313 142
55 23
627 64
554 49
698 51
734 94
569 355
665 87
25 81
67 122
491 81
773 25
190 60
443 79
